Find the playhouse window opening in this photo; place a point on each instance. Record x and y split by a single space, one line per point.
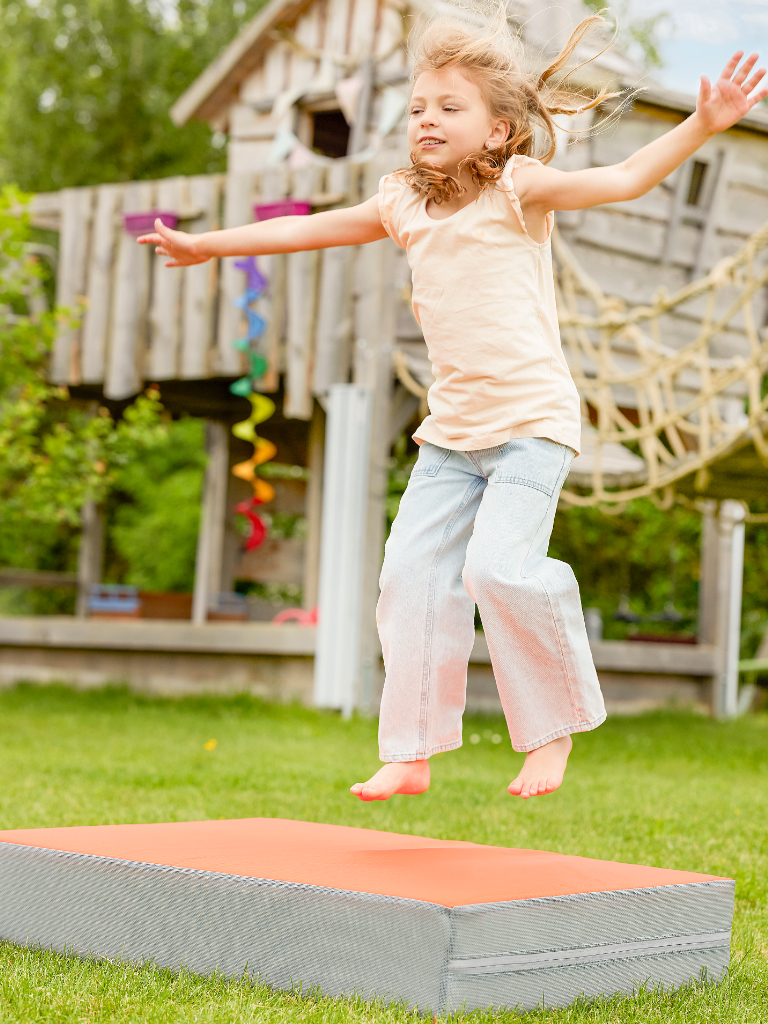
697 182
330 133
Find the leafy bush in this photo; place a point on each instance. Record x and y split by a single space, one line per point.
155 512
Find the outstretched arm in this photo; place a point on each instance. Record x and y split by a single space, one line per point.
718 107
354 225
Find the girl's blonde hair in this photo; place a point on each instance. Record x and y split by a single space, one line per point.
494 61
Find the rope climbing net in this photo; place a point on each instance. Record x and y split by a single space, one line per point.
681 409
653 413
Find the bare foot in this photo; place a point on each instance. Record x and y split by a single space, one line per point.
543 769
406 777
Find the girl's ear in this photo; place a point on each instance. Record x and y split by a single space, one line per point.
498 135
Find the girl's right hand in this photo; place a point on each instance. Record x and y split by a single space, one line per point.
181 248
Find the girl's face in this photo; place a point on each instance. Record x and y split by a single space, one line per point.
449 119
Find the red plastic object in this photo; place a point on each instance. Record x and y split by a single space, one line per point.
282 208
143 223
258 528
299 615
258 532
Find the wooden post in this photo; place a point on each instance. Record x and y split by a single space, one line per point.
232 541
730 560
708 574
210 539
359 135
375 312
314 507
343 546
90 557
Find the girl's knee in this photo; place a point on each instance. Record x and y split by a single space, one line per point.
483 579
491 578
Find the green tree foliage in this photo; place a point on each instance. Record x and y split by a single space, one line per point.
154 512
54 453
87 86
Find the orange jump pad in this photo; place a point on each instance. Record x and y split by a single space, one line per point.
441 925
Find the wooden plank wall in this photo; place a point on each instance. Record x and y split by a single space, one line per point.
142 322
632 249
348 33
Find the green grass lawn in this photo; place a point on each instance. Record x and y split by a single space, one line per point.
666 789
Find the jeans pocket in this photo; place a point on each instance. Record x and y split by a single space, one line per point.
430 459
531 462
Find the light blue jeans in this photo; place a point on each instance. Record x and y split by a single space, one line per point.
473 528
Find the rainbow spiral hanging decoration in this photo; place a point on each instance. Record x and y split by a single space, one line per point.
261 406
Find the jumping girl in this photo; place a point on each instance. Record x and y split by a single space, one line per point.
474 213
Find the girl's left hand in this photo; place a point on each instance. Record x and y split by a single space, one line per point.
721 105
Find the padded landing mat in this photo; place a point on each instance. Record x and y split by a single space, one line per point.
439 924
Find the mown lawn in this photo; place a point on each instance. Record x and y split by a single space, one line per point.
667 789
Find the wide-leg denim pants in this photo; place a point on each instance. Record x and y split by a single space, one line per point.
474 527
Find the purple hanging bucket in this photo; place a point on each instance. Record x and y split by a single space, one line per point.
282 208
143 223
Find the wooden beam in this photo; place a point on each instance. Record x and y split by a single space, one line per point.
36 578
314 507
200 283
273 184
334 324
375 328
45 210
404 408
676 213
71 280
238 197
128 334
65 631
730 559
164 318
358 136
707 617
705 257
210 539
217 85
343 548
635 657
100 284
301 304
90 557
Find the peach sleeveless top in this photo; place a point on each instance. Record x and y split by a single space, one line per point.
484 296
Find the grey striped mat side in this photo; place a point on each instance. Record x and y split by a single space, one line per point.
284 933
518 953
